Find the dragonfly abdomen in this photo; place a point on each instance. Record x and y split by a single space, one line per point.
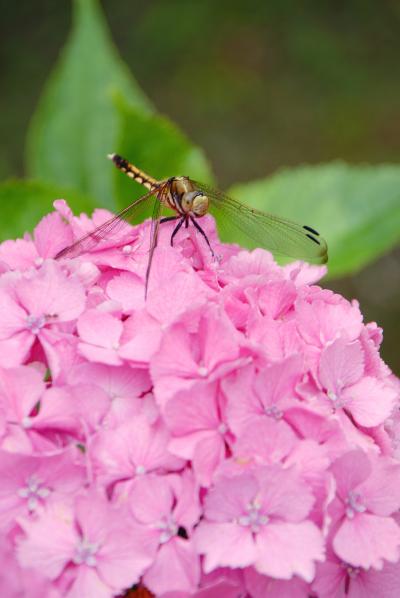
133 172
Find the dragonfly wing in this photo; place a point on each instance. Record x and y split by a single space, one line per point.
155 225
271 232
107 231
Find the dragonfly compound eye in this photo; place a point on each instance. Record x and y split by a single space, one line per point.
200 204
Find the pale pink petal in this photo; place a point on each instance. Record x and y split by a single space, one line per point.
176 567
151 499
367 540
370 401
51 293
288 549
19 254
88 583
127 289
13 318
49 543
208 453
51 235
141 338
381 490
100 329
224 545
341 365
265 440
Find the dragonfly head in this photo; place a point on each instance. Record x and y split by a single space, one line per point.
191 200
194 202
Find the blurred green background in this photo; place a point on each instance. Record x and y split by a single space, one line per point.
258 85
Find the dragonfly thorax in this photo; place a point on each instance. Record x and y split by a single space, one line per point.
186 199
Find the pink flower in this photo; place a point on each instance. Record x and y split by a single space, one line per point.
337 579
204 350
106 550
34 307
234 433
134 448
198 431
28 482
260 519
367 495
369 400
169 508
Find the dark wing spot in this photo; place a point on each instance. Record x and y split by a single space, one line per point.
313 239
311 230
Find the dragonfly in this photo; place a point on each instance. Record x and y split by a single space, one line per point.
190 200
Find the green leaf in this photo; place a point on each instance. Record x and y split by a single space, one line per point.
75 125
24 203
355 208
157 146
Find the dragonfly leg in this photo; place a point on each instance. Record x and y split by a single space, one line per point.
168 219
197 225
176 229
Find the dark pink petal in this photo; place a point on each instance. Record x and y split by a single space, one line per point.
260 586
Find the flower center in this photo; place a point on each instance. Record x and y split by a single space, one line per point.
168 529
273 412
33 492
35 323
254 517
335 399
85 553
354 505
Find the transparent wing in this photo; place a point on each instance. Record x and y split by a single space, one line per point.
155 225
110 229
279 235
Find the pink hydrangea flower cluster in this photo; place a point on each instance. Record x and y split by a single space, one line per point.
236 434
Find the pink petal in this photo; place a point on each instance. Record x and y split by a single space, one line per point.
49 543
224 545
287 549
100 329
366 540
176 567
341 365
13 318
370 401
51 293
51 235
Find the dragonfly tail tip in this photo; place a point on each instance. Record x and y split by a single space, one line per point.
110 156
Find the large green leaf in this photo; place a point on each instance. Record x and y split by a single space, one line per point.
356 208
157 146
24 203
75 125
